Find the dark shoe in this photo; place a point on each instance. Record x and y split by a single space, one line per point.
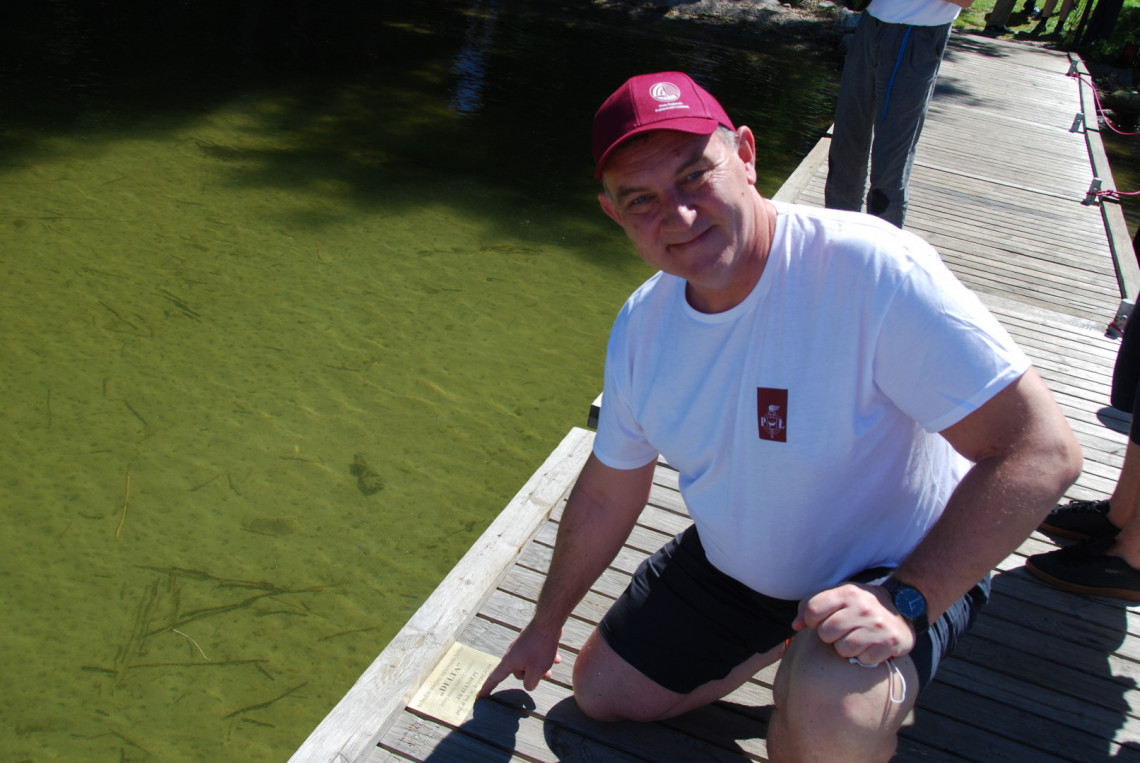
1086 568
1080 520
997 31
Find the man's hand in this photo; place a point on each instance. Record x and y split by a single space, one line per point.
601 511
859 621
529 659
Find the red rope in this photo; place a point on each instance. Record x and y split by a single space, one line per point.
1114 194
1100 109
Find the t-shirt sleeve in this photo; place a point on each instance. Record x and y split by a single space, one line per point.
941 354
621 442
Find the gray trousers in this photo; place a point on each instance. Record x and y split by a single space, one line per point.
888 80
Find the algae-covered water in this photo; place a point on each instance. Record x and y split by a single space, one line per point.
1123 151
292 301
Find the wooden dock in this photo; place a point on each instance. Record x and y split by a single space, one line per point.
999 187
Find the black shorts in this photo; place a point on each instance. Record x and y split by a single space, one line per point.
682 622
1126 377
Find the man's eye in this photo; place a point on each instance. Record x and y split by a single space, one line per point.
694 176
637 201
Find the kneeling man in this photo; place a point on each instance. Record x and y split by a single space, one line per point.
859 443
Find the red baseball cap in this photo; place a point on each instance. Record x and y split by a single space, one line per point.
662 101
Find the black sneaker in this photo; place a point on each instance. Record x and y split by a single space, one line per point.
1086 568
1080 520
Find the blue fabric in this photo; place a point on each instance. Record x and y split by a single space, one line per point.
895 71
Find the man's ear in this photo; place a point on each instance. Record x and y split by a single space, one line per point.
746 150
609 207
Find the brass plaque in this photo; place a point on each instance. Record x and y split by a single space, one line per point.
449 692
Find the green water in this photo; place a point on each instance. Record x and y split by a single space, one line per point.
290 307
1123 150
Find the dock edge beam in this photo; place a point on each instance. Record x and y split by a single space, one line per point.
1115 224
354 727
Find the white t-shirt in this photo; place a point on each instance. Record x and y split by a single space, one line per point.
914 12
803 421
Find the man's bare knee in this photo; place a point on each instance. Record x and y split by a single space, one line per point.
829 709
607 688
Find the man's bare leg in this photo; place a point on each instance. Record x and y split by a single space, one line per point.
828 709
608 688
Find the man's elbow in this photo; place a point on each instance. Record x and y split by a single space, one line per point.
1075 463
1065 461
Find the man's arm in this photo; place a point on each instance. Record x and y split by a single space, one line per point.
599 516
1024 455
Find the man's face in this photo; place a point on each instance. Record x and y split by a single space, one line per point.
688 204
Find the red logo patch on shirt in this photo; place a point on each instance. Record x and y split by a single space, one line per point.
772 412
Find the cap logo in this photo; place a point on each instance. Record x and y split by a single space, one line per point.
665 92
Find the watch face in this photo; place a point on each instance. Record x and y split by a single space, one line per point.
910 603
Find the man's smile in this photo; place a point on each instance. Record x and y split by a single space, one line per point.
691 240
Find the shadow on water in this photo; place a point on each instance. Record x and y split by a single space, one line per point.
294 296
396 101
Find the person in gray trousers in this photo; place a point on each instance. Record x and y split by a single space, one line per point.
888 80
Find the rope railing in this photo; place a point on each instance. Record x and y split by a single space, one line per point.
1096 97
1096 194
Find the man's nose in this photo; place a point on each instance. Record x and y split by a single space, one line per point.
679 211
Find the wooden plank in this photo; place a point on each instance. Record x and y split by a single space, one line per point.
358 721
417 738
511 723
381 755
1068 712
1031 737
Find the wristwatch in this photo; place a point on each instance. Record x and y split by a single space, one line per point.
910 603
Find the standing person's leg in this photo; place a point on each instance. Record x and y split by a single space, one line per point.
1125 501
1108 563
1125 390
1063 15
908 84
999 16
1126 371
1085 520
850 149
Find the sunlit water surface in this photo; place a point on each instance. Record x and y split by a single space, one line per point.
291 306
